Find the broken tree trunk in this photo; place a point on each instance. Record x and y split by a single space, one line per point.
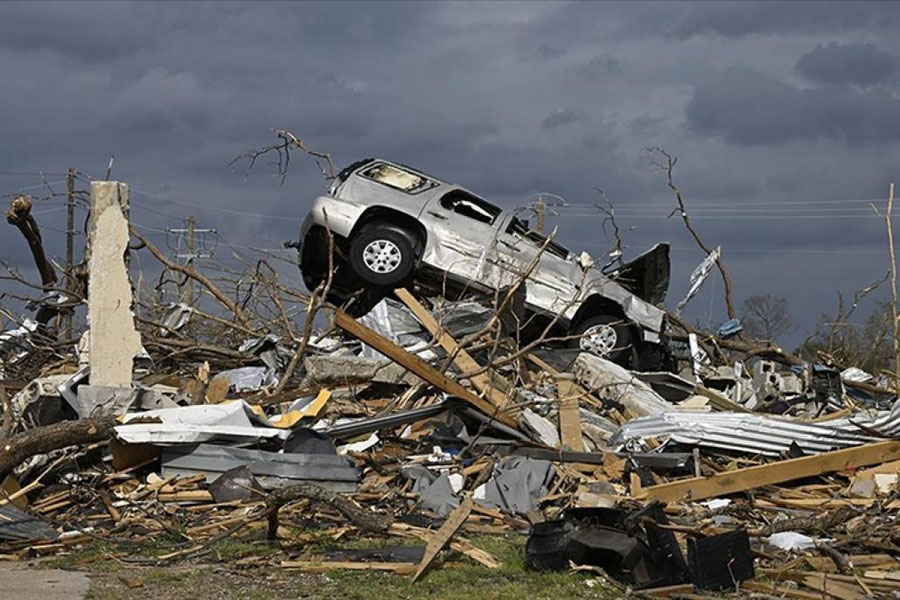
42 440
20 215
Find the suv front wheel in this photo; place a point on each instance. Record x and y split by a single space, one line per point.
606 336
382 257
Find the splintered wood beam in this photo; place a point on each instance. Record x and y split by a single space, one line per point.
417 366
462 359
569 418
729 482
311 566
444 535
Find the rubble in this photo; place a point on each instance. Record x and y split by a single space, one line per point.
740 469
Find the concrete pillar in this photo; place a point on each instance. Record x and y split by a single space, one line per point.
114 341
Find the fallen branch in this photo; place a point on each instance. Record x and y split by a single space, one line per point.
669 168
203 280
360 517
48 438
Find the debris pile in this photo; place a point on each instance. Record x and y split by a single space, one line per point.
743 469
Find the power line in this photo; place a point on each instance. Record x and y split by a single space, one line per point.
32 173
218 209
31 187
730 203
736 217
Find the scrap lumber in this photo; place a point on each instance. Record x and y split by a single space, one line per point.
459 544
417 366
576 387
729 482
569 418
443 535
462 359
719 400
826 584
310 566
779 592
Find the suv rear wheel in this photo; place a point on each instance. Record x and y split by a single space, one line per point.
606 336
381 256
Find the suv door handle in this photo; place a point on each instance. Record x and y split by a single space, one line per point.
437 215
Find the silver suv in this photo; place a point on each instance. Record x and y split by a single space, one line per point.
394 225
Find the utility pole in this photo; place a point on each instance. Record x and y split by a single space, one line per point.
190 261
70 239
895 319
540 215
189 233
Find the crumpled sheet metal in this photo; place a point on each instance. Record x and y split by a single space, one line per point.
758 434
249 379
231 421
435 491
519 482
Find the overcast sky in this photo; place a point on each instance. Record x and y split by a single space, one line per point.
785 118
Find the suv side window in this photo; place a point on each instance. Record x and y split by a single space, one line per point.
473 207
523 230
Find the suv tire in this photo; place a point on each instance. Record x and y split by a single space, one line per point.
382 257
606 336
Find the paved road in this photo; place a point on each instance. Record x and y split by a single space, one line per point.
18 583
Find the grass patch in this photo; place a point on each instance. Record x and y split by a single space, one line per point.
451 577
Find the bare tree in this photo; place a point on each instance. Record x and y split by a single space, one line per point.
668 167
766 317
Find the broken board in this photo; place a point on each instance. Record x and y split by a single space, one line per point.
417 366
729 482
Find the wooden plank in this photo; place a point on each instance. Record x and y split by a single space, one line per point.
459 544
780 592
720 401
462 359
443 535
310 566
569 419
669 590
577 388
889 468
827 585
729 482
417 366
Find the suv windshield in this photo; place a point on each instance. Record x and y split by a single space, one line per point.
398 178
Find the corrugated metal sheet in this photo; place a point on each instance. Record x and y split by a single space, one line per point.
271 469
760 434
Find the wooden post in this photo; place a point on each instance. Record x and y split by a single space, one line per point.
540 215
894 318
70 240
190 260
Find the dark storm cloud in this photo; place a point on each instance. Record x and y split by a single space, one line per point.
508 99
560 117
748 107
860 64
599 67
739 19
